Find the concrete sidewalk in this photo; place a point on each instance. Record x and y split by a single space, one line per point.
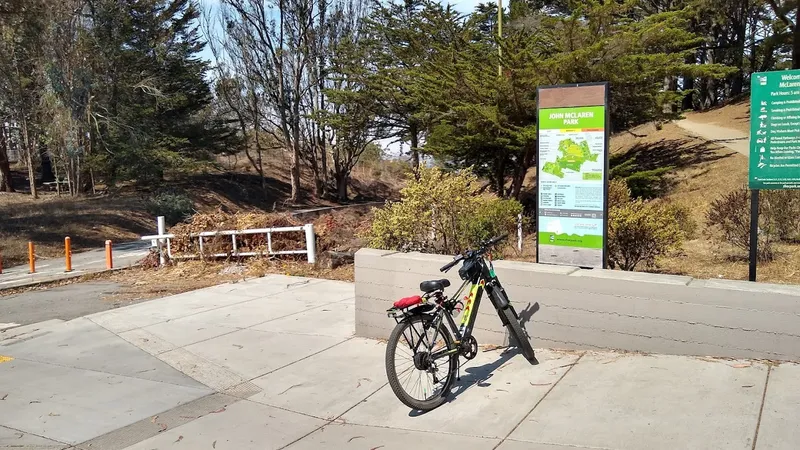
272 363
125 254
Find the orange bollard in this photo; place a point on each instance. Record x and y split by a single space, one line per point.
109 262
31 258
68 253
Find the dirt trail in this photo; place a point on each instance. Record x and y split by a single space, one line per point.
728 137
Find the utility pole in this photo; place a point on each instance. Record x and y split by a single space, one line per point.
499 36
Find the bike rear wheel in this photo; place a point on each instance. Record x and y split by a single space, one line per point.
417 380
511 319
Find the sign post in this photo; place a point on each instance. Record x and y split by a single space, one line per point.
774 141
572 180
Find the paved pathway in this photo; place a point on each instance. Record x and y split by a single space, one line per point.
124 254
727 137
272 363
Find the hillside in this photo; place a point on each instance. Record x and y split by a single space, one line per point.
701 172
127 212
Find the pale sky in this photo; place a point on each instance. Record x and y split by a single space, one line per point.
463 6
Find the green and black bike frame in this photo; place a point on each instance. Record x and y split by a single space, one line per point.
484 280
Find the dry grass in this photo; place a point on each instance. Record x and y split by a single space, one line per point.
191 275
233 186
47 221
705 172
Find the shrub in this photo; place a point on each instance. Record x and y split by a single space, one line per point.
440 213
618 192
783 209
174 205
729 216
639 231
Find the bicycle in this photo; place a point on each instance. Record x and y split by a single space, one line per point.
432 353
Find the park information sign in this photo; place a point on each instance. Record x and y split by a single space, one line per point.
572 178
775 130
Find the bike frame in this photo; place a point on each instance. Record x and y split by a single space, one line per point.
485 281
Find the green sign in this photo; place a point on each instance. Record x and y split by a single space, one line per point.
587 117
571 183
775 130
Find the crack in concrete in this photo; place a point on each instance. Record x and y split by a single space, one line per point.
761 409
569 369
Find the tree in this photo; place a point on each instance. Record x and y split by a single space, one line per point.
20 77
399 37
352 108
788 13
272 41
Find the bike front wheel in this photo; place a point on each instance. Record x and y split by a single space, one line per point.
421 363
511 319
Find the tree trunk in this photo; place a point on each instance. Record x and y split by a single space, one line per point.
5 166
341 186
522 170
295 171
414 147
500 171
737 84
47 166
29 158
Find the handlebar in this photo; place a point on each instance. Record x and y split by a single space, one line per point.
472 253
450 265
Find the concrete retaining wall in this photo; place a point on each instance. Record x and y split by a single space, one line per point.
601 309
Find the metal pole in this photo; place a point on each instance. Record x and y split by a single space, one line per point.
310 245
753 233
109 258
161 225
31 257
519 232
68 254
499 35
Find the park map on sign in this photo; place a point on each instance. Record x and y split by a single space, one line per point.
572 156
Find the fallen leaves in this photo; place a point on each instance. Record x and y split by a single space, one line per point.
180 438
223 409
741 366
355 437
540 384
4 397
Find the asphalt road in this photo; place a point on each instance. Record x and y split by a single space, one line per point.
124 254
64 303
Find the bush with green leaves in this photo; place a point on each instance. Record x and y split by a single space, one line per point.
440 212
640 231
173 204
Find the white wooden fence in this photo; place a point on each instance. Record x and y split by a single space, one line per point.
163 241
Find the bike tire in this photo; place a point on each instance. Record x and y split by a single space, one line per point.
511 319
394 378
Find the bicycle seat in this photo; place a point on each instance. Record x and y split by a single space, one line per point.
433 285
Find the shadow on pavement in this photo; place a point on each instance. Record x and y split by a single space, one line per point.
479 375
